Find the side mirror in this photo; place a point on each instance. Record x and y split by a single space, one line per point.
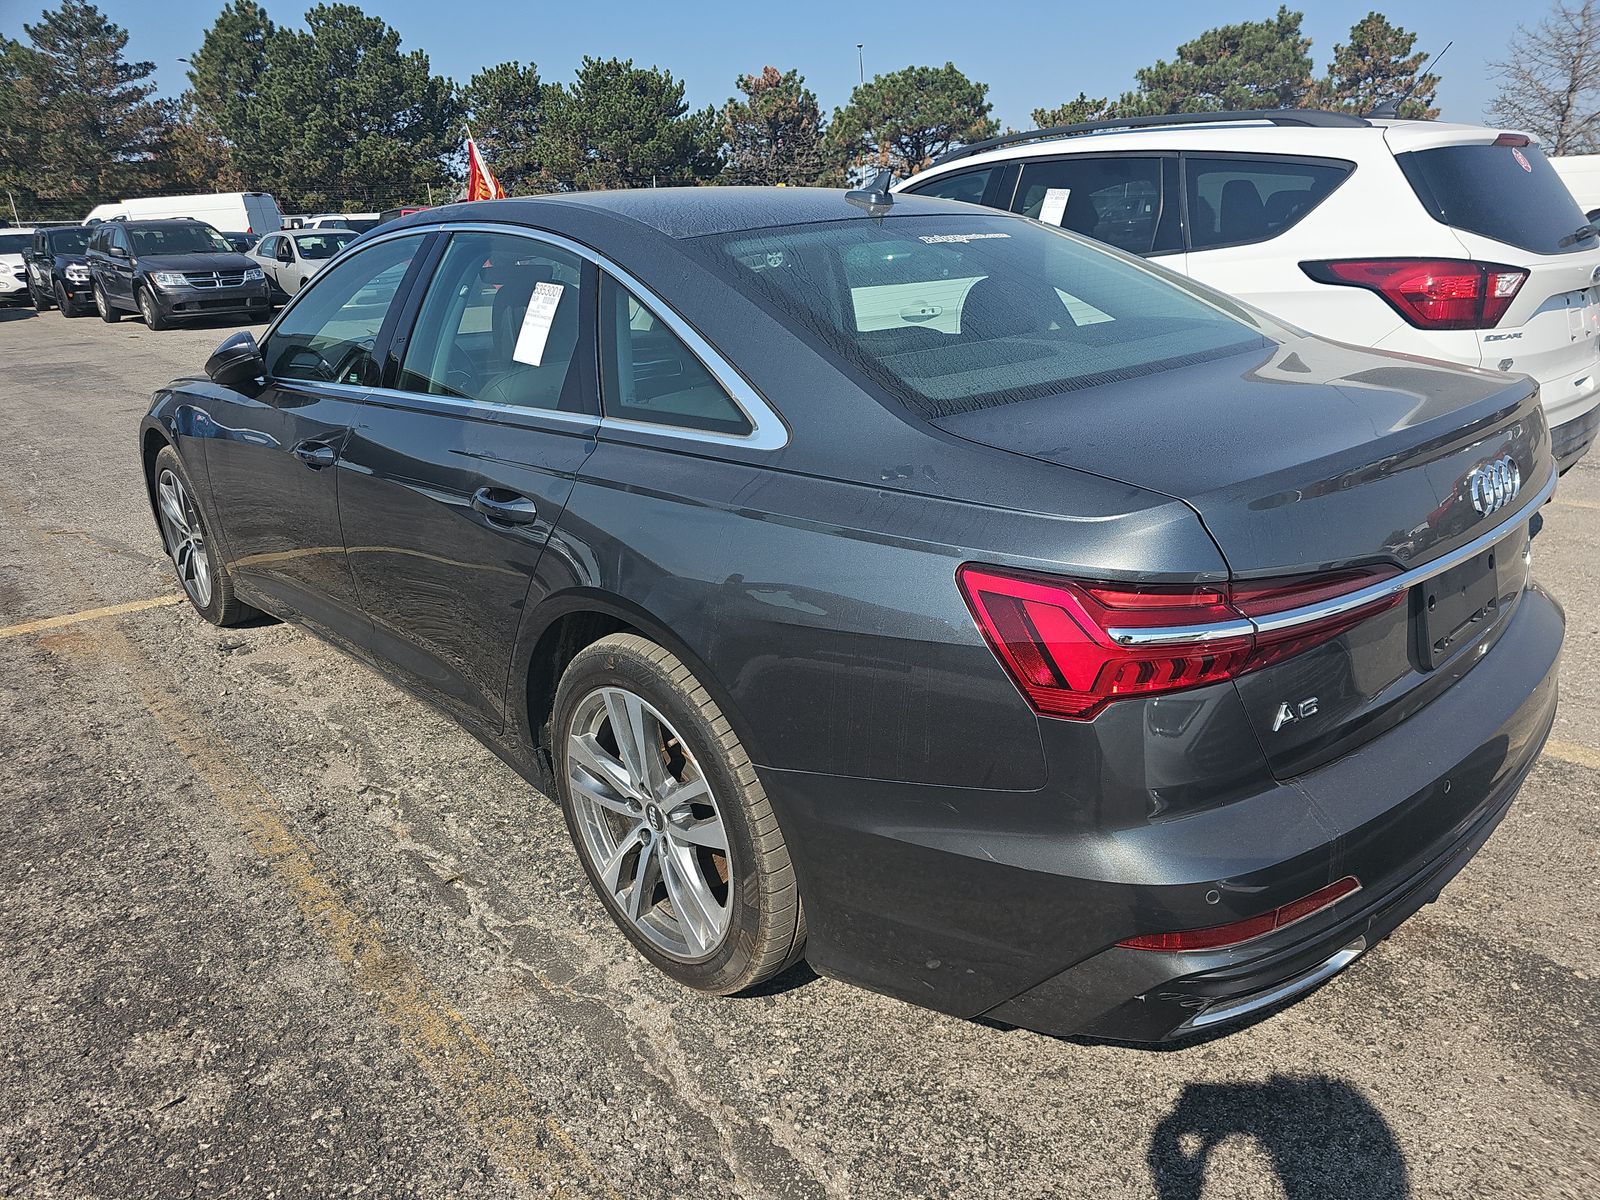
118 252
238 360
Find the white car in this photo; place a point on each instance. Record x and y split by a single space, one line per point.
1454 242
291 257
14 243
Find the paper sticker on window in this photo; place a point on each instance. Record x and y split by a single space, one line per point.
536 323
1055 205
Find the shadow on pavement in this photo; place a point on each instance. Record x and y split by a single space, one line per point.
1324 1138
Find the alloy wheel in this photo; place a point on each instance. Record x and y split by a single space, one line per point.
649 823
186 542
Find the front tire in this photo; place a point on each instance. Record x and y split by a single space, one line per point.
671 823
41 302
151 311
64 302
202 573
102 305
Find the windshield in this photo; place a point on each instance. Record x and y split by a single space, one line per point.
951 314
322 245
14 243
1509 193
68 241
178 239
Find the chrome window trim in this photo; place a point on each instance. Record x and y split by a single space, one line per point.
1306 614
767 429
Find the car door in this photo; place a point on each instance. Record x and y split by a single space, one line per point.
1129 201
37 261
460 467
273 448
265 257
124 266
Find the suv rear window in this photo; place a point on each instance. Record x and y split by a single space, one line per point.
1509 193
949 315
15 243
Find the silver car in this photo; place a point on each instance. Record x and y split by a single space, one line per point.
291 257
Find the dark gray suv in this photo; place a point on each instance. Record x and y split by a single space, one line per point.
172 270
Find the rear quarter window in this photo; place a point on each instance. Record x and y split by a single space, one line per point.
1509 193
1236 201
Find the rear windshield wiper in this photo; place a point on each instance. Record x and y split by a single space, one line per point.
1578 235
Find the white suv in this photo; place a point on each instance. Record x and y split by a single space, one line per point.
1453 242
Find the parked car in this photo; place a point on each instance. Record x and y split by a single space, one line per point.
252 212
289 259
1581 174
1456 242
242 242
13 273
172 270
58 270
359 222
996 620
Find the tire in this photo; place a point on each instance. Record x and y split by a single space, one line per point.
203 576
65 304
154 320
103 306
747 923
41 303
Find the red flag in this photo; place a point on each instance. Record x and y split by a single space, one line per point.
481 183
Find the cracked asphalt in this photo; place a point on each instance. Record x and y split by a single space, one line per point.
272 928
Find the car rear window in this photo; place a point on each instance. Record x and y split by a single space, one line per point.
952 314
1509 193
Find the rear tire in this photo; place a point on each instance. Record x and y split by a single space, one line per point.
41 302
151 311
673 828
201 571
102 305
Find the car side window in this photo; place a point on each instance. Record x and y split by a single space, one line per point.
1234 201
501 323
328 335
1116 200
648 374
960 185
268 248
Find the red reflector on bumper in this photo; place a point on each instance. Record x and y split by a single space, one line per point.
1232 934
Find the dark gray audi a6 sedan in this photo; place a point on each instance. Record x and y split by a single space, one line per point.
991 618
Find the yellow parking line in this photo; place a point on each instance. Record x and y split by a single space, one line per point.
1576 503
88 614
1573 753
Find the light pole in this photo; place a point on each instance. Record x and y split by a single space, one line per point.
861 62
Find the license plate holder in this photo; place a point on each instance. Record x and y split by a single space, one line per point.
1456 607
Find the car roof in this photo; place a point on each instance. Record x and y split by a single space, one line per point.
1387 136
157 222
681 212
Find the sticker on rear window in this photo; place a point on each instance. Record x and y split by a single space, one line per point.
1522 159
935 239
536 323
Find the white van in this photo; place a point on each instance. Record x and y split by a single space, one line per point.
1581 174
227 212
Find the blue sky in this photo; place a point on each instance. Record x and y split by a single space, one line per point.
1030 54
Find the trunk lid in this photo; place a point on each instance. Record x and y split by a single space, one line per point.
1310 458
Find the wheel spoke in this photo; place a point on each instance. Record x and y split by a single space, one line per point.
611 869
598 798
586 752
695 908
172 507
641 878
708 833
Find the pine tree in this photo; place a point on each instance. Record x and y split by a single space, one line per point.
775 134
1254 64
1375 65
1074 111
504 105
906 119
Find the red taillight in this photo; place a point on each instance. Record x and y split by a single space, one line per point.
1074 646
1217 936
1430 293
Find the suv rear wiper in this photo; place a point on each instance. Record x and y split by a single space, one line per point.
1578 235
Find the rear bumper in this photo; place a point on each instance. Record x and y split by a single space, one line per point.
1022 925
1571 440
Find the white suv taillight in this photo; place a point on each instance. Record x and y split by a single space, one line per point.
1430 293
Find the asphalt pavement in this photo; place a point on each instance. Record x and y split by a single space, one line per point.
272 928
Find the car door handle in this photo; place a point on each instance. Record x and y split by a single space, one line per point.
316 455
508 508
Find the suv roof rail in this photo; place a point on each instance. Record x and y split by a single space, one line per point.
1278 116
